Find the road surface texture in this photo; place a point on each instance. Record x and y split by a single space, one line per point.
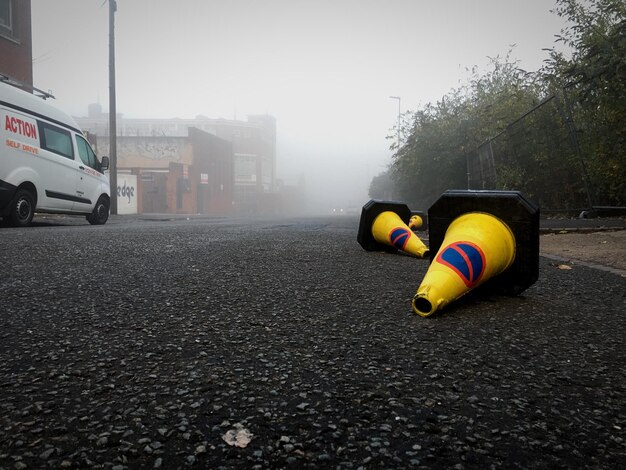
209 343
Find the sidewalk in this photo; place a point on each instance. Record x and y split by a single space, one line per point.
582 225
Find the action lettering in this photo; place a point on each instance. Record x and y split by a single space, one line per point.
18 126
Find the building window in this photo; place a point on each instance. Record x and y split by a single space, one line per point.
245 169
6 18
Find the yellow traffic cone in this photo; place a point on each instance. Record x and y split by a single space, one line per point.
389 229
383 227
416 222
477 246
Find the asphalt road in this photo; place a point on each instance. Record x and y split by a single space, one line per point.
213 343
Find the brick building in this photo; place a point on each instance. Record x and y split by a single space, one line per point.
254 184
183 175
16 46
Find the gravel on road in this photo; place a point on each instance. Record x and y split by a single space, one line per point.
211 344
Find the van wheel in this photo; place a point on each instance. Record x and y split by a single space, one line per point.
100 213
22 208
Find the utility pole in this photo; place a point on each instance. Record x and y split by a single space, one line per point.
112 110
397 98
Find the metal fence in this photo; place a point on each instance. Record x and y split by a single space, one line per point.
539 155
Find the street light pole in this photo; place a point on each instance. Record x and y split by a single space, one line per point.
397 98
112 110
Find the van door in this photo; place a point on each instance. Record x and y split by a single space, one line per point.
57 169
88 184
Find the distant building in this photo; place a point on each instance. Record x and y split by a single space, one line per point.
16 45
253 149
176 175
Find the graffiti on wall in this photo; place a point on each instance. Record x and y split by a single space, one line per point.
134 151
126 193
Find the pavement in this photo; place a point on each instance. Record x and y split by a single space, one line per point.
548 225
220 343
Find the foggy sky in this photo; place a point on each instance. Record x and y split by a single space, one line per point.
324 68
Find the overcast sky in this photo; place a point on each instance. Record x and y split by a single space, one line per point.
324 68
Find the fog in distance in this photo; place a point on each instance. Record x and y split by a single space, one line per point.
325 69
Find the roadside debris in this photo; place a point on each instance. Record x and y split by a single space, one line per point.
238 437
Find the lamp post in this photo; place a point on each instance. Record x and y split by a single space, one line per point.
112 110
397 98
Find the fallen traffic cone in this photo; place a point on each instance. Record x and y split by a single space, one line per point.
389 229
383 226
477 247
488 236
416 222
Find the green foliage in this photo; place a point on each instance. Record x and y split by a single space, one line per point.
553 152
595 80
382 187
443 135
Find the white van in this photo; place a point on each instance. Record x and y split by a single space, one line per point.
46 164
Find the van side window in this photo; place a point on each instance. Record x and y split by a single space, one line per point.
86 154
56 140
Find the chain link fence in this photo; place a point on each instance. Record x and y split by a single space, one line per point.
538 154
